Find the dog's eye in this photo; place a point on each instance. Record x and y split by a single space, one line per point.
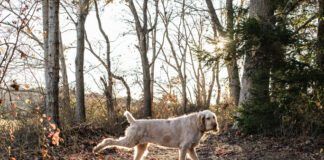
213 117
208 118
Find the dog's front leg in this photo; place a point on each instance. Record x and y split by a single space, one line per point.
192 153
183 152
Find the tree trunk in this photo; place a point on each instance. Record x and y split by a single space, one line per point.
154 47
320 36
233 79
255 79
199 100
184 100
129 98
184 60
154 52
79 60
218 84
142 31
45 44
65 82
152 78
147 87
203 88
109 87
230 59
211 87
108 69
52 96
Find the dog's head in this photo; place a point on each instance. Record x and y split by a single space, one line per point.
207 121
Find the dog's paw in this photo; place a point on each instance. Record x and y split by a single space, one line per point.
95 150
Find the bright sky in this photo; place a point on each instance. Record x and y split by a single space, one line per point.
125 57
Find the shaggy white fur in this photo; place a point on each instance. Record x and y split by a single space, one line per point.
182 132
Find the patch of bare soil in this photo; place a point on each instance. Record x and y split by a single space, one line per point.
226 146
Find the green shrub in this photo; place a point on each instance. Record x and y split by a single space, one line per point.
259 117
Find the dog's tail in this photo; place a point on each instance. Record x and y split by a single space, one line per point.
129 117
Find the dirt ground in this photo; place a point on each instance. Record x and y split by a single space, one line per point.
226 146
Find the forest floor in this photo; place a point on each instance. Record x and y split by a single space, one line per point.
228 145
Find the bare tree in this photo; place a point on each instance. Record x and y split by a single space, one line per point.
109 86
203 91
178 52
107 64
52 90
230 57
79 60
28 31
155 50
142 32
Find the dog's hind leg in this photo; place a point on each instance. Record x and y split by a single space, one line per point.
140 150
127 142
102 145
121 142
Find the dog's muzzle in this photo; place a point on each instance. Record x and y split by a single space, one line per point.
215 127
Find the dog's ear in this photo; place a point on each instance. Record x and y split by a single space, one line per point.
201 122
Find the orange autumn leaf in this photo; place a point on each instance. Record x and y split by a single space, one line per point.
53 126
44 152
29 30
56 138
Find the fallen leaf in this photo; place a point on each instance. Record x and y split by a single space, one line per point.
15 86
27 101
26 86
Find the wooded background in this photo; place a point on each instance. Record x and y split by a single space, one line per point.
258 63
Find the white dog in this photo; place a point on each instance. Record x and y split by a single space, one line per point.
181 132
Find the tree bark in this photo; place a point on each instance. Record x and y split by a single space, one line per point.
256 73
79 60
231 60
320 36
52 96
142 31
